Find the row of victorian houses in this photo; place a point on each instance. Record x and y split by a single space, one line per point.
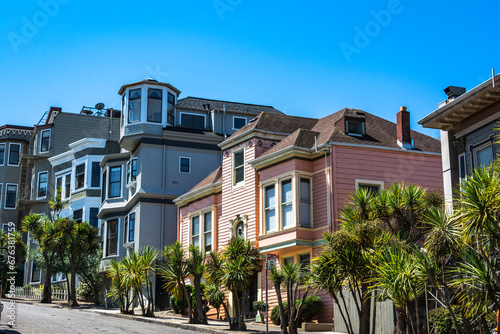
165 168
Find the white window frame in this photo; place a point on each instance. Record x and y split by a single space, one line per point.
201 228
73 176
127 229
363 128
363 182
63 174
38 185
195 114
239 117
129 171
299 200
8 156
108 180
264 208
5 199
88 176
4 153
281 225
241 183
180 159
1 195
482 147
105 243
40 141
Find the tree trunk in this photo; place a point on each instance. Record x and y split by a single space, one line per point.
364 321
47 287
199 319
73 302
188 302
374 320
400 322
277 288
240 315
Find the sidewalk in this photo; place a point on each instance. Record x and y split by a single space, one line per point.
213 327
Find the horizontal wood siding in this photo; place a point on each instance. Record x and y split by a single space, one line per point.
384 165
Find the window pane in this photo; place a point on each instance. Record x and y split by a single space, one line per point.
2 154
154 105
193 121
96 175
207 222
67 186
79 176
305 214
93 220
14 150
42 185
115 181
305 190
196 241
59 185
103 189
134 106
286 191
270 220
78 215
484 156
239 122
287 215
356 127
112 237
170 108
462 168
133 166
239 159
184 168
44 141
269 201
1 191
10 196
208 242
304 260
131 231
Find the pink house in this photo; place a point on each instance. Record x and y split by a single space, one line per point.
284 179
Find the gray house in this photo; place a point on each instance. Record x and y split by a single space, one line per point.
168 145
65 151
468 121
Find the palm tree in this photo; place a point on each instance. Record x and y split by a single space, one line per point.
396 278
120 289
196 267
215 297
174 271
46 234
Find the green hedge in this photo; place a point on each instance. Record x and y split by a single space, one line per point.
312 306
442 322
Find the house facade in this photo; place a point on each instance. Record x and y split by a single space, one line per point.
284 179
167 146
468 122
64 150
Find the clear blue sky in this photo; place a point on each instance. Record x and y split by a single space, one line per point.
304 58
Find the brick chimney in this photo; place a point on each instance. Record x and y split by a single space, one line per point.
403 128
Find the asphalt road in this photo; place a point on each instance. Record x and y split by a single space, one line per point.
42 319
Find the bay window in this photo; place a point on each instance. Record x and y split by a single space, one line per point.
95 180
131 227
170 108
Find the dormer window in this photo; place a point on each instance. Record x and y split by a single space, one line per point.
355 126
134 106
154 105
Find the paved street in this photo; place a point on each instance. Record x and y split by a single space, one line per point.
42 319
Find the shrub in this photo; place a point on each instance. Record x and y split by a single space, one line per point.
275 314
259 306
312 306
27 287
85 291
178 305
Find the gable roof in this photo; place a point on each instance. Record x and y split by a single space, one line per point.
199 103
309 132
209 185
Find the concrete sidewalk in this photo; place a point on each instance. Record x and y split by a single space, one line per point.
161 317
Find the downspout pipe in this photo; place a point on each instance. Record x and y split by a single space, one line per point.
224 122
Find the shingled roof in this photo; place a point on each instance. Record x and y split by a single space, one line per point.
308 132
213 178
198 103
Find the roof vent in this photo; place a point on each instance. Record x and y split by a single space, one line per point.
453 92
151 79
360 113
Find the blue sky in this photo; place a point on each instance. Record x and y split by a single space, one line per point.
304 58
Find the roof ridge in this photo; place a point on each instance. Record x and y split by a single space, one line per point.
249 104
